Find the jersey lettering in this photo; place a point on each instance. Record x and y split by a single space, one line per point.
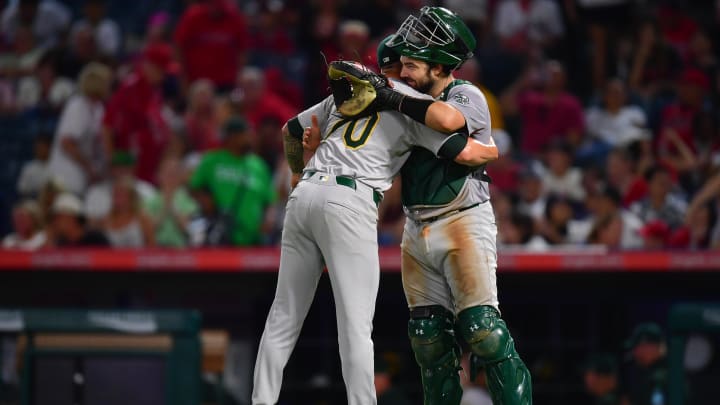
356 139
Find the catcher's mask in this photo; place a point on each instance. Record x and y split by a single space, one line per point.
436 35
352 95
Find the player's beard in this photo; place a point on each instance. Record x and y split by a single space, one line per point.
425 85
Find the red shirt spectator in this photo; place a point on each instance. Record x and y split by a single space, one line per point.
133 118
212 38
676 141
258 103
547 118
546 109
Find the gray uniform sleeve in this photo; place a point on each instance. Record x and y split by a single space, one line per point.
441 145
470 101
322 109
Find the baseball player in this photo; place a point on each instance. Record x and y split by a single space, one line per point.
332 219
449 253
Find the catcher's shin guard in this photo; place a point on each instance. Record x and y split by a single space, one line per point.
437 353
493 349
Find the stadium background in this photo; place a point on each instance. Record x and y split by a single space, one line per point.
628 166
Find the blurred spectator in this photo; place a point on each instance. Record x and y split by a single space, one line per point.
50 191
98 201
676 143
471 71
173 207
201 118
387 392
700 231
560 177
68 228
615 123
530 192
79 50
645 380
208 32
474 13
158 29
35 173
521 230
134 119
701 217
605 22
549 112
21 59
505 171
263 108
127 226
318 34
613 226
379 15
676 25
601 380
661 203
354 43
655 234
474 391
49 20
268 38
655 63
701 55
558 226
520 24
240 183
28 227
76 155
45 89
106 32
621 172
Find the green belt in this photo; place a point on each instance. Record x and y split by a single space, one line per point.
347 182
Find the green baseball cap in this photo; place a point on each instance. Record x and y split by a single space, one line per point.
385 55
644 332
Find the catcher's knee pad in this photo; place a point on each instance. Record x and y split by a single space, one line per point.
437 353
493 349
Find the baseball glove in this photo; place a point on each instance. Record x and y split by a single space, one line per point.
358 91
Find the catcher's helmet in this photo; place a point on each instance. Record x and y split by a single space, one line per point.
437 35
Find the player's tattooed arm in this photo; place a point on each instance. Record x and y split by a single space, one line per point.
293 152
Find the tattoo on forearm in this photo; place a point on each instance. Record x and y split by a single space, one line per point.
294 153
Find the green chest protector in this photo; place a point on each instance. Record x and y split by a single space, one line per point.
427 180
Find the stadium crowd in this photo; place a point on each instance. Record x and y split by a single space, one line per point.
167 132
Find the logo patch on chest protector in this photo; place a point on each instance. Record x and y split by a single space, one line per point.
461 99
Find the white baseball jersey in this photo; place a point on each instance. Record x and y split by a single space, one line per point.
371 152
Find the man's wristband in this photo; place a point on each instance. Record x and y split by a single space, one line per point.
415 108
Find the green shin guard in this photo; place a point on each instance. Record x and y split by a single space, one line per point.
493 349
437 353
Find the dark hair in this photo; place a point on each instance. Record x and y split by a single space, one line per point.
446 69
525 225
654 171
612 194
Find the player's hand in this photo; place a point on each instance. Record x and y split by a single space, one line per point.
311 135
